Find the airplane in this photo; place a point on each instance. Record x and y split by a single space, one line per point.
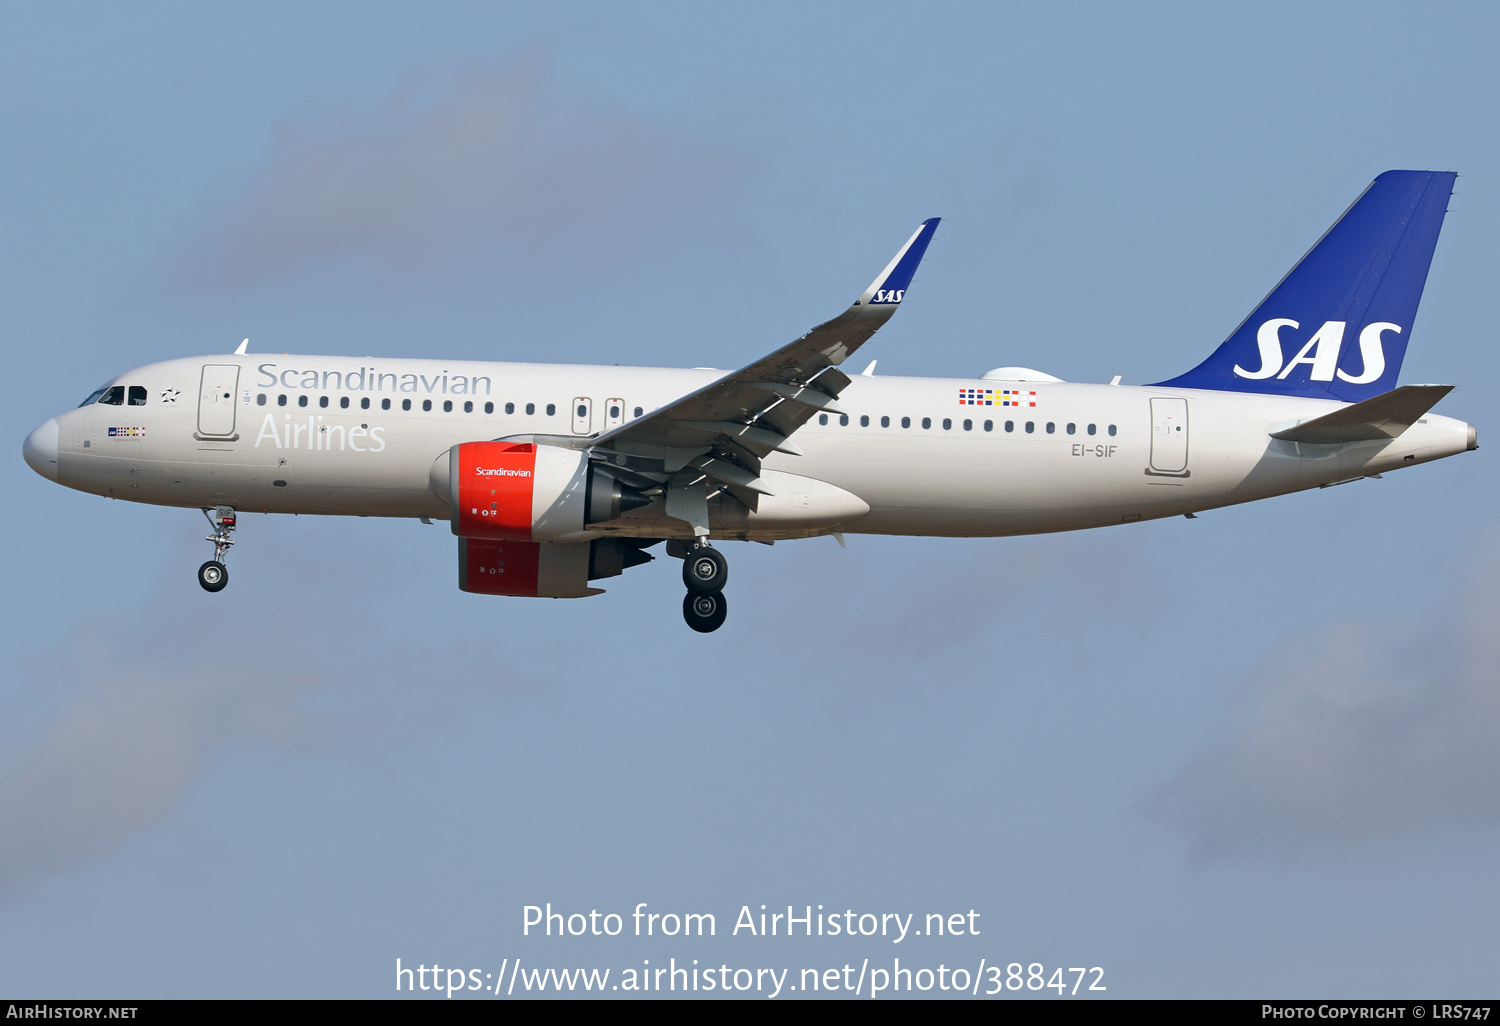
556 476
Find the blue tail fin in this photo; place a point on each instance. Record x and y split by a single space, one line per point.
1337 326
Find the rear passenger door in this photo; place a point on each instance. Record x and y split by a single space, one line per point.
1169 436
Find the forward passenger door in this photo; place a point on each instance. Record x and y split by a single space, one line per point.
216 400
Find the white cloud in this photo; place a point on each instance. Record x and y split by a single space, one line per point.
157 702
496 176
122 754
1370 729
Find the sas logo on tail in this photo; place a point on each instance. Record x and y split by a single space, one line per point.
888 296
1321 352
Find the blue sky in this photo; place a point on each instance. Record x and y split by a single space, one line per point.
1246 755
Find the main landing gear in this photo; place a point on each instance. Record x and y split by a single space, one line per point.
214 575
704 572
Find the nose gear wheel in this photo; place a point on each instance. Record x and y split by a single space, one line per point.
214 575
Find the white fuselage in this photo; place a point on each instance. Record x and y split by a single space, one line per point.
338 436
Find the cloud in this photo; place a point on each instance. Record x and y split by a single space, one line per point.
1366 731
292 663
124 752
498 175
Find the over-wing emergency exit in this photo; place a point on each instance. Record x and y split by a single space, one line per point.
555 476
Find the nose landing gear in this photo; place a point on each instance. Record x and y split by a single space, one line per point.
704 572
214 575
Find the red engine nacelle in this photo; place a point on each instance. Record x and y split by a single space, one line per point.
543 569
525 492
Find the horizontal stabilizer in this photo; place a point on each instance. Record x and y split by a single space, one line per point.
1385 416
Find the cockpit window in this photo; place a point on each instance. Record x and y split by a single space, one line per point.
114 396
137 395
93 397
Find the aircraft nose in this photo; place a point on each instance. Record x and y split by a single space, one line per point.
40 450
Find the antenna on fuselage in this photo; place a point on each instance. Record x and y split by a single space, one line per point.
241 350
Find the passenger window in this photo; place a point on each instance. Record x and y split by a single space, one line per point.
447 405
864 420
489 407
260 400
843 420
947 424
968 425
1010 425
926 422
364 404
137 395
1072 429
385 404
885 422
614 413
989 425
281 400
344 403
582 412
302 400
530 409
406 404
906 422
1111 430
94 397
1030 426
822 418
639 411
114 396
1051 427
323 401
1092 429
468 406
426 405
551 409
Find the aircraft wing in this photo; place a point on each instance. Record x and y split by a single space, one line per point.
725 428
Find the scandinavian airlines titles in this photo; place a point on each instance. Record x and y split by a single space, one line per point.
320 437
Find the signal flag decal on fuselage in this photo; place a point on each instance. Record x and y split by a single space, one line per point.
991 397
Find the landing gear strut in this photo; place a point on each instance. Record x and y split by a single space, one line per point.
704 572
214 575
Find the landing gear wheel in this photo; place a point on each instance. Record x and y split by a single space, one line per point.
213 575
705 613
705 570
